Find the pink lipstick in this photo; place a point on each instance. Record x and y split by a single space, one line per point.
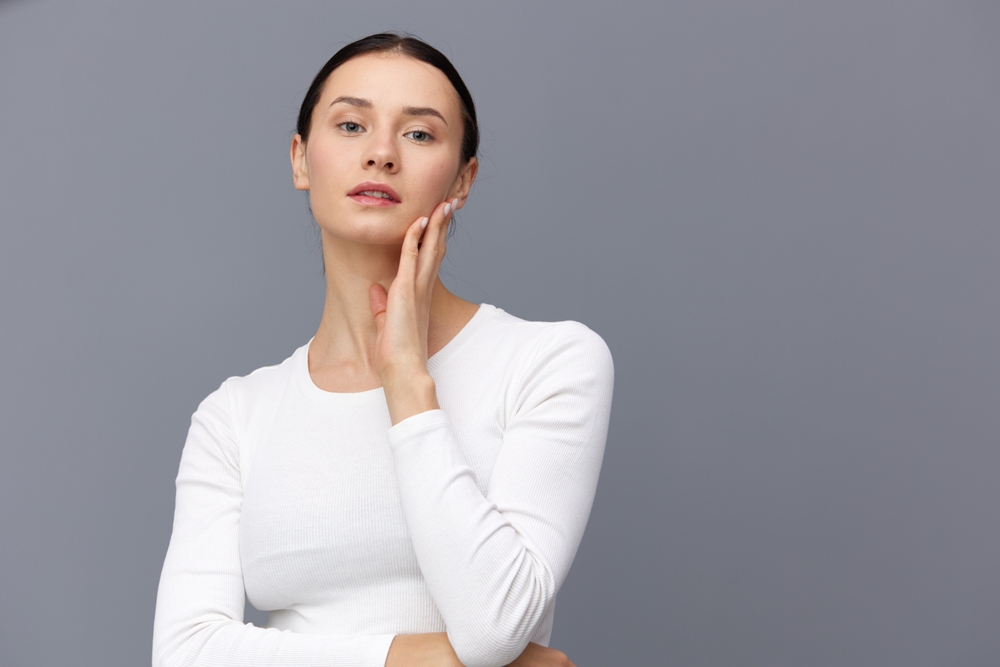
371 193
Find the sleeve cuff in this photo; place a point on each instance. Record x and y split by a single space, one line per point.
380 650
416 426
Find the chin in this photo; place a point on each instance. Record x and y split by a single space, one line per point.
373 230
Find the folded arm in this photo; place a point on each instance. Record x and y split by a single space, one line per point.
199 604
493 561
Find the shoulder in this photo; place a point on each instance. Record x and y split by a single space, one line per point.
265 380
536 342
544 357
550 373
241 400
229 421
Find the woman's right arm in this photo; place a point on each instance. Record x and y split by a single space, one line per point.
199 603
200 600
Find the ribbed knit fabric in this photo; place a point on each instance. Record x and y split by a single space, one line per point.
350 531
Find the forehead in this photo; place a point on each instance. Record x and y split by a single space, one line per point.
392 81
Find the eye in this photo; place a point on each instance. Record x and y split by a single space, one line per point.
351 127
419 136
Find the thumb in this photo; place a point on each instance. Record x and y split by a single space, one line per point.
378 299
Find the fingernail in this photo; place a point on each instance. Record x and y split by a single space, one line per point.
423 223
454 204
447 210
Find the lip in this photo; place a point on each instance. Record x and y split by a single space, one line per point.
372 186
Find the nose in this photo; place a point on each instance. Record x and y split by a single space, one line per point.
382 152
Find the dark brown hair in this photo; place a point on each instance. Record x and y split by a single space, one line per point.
386 42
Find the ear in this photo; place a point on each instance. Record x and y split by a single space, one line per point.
300 172
463 184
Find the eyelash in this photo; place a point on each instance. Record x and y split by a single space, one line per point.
426 134
349 122
423 132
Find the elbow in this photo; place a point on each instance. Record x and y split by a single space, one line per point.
180 648
496 633
161 656
165 655
486 651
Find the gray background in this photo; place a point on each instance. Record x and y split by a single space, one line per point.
782 217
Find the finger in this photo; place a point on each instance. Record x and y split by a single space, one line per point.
410 253
429 242
442 244
445 227
378 300
433 246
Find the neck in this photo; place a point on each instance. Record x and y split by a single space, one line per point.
340 356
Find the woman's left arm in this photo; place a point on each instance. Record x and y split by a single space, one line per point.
494 561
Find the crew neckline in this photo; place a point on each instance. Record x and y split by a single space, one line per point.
300 363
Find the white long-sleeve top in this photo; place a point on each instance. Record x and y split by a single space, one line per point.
349 530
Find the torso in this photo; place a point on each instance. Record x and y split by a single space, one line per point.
323 538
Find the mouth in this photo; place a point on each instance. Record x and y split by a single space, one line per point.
370 193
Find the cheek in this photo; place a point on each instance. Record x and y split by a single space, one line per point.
327 166
436 178
328 174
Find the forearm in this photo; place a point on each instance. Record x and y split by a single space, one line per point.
434 650
409 391
233 644
495 557
424 649
491 590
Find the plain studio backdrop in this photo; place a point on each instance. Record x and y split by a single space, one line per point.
783 218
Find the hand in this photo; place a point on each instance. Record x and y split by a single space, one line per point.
434 650
427 650
536 655
402 317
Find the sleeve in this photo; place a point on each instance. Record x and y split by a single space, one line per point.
494 561
199 603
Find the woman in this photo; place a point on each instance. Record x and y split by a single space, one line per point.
410 486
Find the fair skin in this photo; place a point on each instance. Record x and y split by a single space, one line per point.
383 167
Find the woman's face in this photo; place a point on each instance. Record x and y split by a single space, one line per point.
383 148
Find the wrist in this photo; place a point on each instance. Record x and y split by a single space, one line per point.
431 649
408 394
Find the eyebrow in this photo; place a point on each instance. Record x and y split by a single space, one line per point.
353 101
424 111
409 111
